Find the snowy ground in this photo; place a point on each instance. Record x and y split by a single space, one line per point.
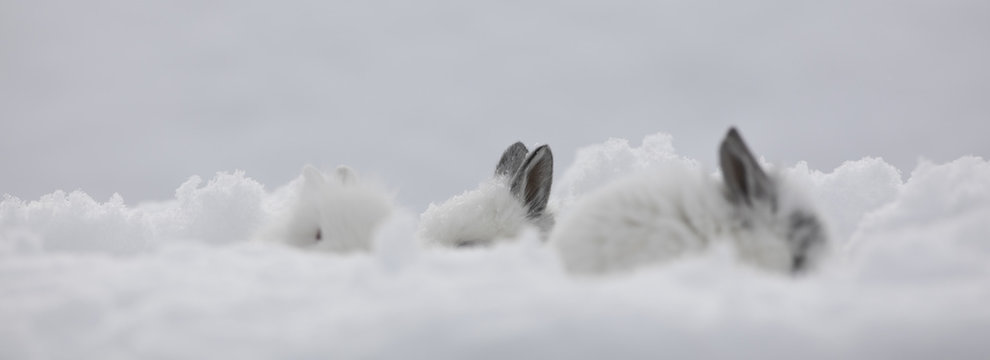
909 277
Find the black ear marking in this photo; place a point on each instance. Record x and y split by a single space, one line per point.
798 264
511 160
805 233
533 181
745 179
345 175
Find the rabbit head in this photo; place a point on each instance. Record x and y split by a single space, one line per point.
516 197
336 213
775 226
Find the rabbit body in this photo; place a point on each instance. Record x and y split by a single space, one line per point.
678 210
481 216
337 213
500 208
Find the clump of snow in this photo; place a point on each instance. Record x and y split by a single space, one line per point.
81 278
936 229
75 222
391 243
218 211
226 209
925 199
600 164
849 191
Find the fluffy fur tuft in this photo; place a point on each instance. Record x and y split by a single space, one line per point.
482 216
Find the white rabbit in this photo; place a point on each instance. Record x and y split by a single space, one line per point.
338 213
655 217
500 208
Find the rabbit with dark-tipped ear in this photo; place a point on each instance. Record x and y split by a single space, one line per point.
678 210
500 208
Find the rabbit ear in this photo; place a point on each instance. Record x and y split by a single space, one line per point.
744 178
511 160
532 182
313 177
345 175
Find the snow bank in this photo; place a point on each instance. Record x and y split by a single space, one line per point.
936 229
81 278
599 164
226 209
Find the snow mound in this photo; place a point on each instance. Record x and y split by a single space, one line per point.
600 164
936 229
86 279
226 209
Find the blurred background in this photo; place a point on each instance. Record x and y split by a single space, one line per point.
134 97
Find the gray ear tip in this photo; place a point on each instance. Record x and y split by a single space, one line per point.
345 174
733 135
733 142
512 158
544 156
544 150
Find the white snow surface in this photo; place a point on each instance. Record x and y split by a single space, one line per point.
908 277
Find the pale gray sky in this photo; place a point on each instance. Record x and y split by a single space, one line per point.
135 97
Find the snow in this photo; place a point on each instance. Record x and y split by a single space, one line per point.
908 277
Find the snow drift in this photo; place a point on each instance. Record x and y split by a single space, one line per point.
908 277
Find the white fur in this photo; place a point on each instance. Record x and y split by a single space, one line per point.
345 210
482 216
653 218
